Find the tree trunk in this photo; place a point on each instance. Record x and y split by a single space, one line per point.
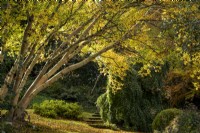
16 114
51 72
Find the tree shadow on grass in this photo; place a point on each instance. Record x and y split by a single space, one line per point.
38 128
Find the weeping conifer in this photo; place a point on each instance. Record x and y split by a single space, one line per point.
135 105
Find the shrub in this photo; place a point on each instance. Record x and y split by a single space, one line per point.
58 108
6 127
187 122
163 119
134 106
73 111
39 99
103 106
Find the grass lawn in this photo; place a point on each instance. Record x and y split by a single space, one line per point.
48 125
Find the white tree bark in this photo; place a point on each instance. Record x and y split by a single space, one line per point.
74 42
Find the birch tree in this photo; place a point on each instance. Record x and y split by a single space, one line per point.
28 29
54 32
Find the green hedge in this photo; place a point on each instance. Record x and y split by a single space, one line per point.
163 119
187 122
58 108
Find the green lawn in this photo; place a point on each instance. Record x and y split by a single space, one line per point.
48 125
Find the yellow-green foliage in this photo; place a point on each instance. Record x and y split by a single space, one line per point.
163 119
58 108
155 34
181 23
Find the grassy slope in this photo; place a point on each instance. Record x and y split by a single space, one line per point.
47 125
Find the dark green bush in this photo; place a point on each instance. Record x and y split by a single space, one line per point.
55 90
163 119
187 122
133 106
6 127
58 108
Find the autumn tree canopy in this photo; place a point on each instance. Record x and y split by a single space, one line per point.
113 33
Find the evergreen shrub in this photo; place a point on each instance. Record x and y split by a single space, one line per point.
187 122
163 119
58 108
134 106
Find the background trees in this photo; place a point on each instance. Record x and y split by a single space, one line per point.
164 40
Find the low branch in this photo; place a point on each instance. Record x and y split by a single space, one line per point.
72 67
26 98
36 89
